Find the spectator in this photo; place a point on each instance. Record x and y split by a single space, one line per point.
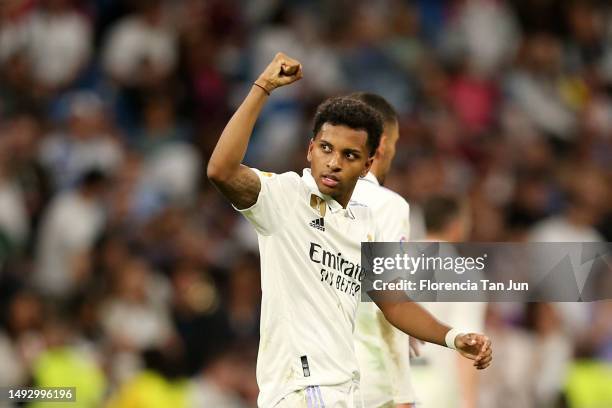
141 48
586 190
535 87
552 352
13 33
242 307
59 44
65 361
68 230
218 385
196 314
134 317
20 137
86 143
156 386
483 32
20 342
171 165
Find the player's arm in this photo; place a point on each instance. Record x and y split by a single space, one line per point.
225 170
414 320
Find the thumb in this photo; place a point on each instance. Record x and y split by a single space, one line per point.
289 68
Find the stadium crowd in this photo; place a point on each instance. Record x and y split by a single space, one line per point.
124 273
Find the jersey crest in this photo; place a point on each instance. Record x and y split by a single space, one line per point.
318 204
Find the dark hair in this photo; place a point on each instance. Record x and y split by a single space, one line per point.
439 212
380 104
352 113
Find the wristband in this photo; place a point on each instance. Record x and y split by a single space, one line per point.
450 337
265 87
262 88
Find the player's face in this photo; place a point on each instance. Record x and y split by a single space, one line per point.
338 156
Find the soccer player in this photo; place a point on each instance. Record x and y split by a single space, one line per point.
447 219
309 242
381 349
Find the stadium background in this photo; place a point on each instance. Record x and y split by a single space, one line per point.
124 273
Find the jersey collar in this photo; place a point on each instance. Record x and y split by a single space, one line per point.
332 204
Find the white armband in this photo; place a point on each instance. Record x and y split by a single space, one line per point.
450 337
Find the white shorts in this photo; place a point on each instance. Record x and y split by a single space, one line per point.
338 396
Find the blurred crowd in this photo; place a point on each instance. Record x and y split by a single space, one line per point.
122 270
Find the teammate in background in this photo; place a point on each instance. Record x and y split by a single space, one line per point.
310 242
448 219
382 350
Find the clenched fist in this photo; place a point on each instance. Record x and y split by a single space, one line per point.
283 70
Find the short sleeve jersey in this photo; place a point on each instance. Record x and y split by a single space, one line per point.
310 250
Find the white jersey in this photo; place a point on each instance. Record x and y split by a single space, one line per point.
382 350
310 248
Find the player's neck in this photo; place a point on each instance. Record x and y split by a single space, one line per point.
345 199
378 173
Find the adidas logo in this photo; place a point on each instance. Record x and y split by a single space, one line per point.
319 224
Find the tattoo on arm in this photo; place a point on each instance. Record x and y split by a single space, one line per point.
242 189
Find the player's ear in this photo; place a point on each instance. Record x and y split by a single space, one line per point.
368 165
310 147
382 146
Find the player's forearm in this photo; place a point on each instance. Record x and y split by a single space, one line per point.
232 145
414 320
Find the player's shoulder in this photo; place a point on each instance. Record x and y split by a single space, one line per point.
394 198
363 209
289 177
360 210
377 197
269 174
280 184
364 215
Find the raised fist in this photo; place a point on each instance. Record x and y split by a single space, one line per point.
283 70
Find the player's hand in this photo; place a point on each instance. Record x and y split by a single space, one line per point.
282 71
476 347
